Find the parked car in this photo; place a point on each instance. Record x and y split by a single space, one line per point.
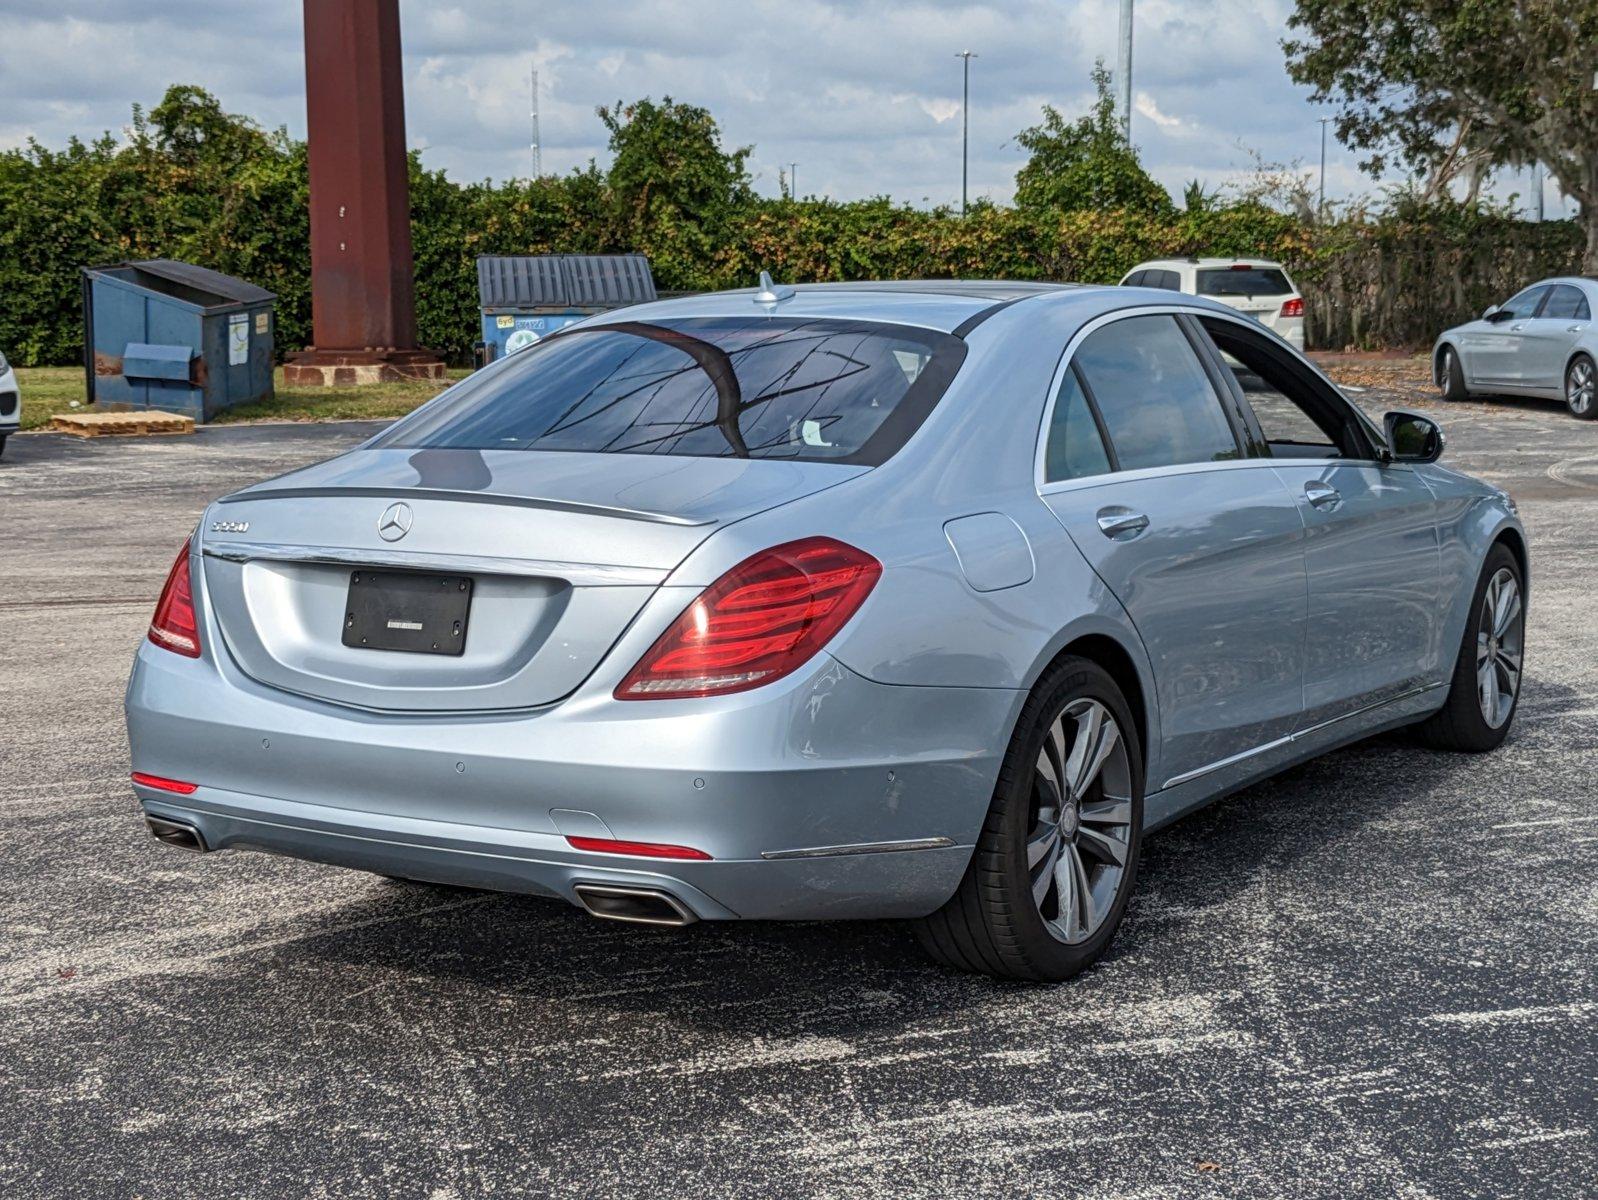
10 402
1255 286
920 600
1540 342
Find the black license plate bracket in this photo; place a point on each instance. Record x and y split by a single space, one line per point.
408 611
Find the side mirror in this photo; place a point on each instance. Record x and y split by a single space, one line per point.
1492 311
1412 438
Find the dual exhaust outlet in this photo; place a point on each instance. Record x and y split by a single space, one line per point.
610 902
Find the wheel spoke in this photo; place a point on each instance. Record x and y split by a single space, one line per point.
1089 911
1508 610
1102 845
1045 838
1489 694
1108 812
1096 737
1044 876
1070 902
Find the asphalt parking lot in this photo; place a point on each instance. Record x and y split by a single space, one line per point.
1374 976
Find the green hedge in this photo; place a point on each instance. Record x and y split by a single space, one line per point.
194 183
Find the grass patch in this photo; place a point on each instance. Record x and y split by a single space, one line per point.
50 390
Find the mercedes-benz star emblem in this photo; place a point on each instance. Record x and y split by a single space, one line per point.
395 522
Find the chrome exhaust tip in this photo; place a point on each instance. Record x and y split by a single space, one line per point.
639 906
176 833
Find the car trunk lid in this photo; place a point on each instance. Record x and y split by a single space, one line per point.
559 553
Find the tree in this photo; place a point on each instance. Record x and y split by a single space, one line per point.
1441 84
1086 163
672 186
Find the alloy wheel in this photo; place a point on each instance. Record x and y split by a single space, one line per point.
1579 386
1500 634
1445 374
1080 838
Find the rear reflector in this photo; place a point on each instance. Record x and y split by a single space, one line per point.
762 620
1293 307
162 784
636 849
173 627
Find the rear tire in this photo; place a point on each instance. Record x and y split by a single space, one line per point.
1488 671
1057 857
1581 388
1451 376
3 437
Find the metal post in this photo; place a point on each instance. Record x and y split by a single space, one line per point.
965 125
1537 190
793 180
363 312
1320 208
538 141
1125 70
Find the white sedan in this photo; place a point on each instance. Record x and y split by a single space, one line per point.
1256 287
1540 342
10 402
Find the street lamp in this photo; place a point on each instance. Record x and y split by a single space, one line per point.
1320 209
965 125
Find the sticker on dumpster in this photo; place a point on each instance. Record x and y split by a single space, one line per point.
506 322
238 339
262 322
520 340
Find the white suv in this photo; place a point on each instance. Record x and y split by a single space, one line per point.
1255 286
10 402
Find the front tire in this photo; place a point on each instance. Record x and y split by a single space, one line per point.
1057 857
1451 376
1581 384
1485 690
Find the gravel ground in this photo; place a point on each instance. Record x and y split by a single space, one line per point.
1373 976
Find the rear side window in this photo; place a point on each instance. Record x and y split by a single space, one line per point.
1076 447
753 387
1169 280
1137 278
1243 281
1566 303
1158 405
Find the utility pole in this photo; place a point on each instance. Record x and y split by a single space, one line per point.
793 180
1537 191
1320 209
1125 70
965 126
538 147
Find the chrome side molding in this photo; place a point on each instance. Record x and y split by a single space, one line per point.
931 843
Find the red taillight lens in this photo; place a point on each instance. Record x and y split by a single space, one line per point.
173 627
1293 308
637 849
760 621
163 784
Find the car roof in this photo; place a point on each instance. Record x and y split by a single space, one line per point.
1211 261
942 304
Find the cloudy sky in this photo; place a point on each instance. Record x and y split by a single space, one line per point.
864 96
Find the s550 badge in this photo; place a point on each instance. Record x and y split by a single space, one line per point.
230 526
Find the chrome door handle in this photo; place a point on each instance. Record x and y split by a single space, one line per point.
1116 522
1517 328
1322 495
1575 328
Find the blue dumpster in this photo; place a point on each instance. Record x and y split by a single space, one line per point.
525 297
170 335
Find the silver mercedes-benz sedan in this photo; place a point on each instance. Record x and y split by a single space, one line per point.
920 600
1540 342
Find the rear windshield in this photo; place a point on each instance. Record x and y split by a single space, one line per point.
1243 281
752 387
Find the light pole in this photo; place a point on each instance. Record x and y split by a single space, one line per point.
965 125
793 180
1126 70
1320 209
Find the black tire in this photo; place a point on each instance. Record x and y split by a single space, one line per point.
992 925
3 437
1451 376
1582 401
1461 724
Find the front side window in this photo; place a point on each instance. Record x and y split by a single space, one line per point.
1566 303
1522 305
1075 447
751 387
1154 395
1243 281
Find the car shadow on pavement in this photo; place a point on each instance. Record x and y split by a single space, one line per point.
850 978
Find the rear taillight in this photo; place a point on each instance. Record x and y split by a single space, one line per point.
1293 307
173 627
762 620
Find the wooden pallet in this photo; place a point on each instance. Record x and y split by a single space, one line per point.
121 424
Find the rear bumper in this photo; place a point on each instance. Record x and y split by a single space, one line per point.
819 761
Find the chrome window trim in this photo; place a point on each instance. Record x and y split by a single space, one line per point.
1040 450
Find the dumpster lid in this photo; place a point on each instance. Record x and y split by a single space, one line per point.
563 280
200 286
